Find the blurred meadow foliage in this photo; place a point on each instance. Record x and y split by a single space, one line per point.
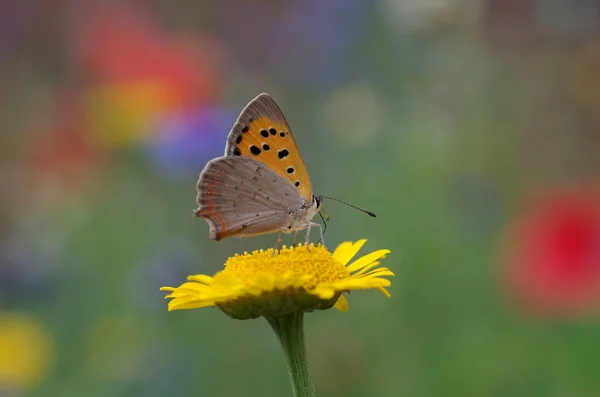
471 127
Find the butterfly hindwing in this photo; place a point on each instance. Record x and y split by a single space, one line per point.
262 133
240 196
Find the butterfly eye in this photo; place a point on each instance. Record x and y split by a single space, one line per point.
317 201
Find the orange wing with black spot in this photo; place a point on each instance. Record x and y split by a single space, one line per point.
262 133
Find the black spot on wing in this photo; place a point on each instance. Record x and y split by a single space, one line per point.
237 151
266 147
238 139
283 153
290 170
273 131
264 133
254 150
297 183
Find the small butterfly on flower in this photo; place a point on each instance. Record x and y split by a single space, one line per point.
260 185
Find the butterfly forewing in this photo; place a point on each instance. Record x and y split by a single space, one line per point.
261 132
241 196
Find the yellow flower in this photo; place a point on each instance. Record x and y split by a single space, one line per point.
26 351
296 279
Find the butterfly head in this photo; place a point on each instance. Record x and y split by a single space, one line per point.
313 208
318 203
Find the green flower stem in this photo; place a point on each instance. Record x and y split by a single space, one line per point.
290 332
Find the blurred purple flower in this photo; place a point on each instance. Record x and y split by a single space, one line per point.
186 140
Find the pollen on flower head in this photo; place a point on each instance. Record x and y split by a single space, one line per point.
314 265
296 279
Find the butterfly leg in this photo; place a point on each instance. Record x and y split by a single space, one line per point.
277 244
322 240
311 224
295 237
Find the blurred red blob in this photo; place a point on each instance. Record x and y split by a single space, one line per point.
552 263
135 71
118 44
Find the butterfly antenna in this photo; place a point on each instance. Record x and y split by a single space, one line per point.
349 205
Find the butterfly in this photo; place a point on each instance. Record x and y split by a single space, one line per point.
260 185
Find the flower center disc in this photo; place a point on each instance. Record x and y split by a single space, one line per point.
278 284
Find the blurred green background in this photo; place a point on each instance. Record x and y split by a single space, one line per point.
470 127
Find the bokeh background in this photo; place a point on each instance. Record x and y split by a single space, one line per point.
471 127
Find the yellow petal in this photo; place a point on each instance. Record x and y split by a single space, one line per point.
224 281
324 292
365 260
201 278
366 268
192 304
346 251
341 304
361 283
384 291
176 294
193 287
382 272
